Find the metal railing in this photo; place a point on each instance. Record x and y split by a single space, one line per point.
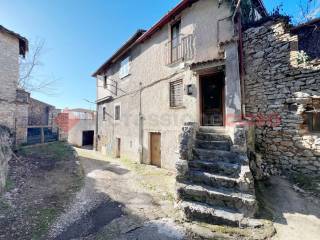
180 49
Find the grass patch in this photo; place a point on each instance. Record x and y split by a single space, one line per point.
44 218
9 184
4 205
59 151
306 182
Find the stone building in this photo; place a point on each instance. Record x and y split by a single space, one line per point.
157 81
282 94
172 96
77 126
12 45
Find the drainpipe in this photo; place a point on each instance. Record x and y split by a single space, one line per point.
140 126
97 122
240 56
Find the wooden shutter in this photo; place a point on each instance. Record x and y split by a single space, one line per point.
316 121
176 93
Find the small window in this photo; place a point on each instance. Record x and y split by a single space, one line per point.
104 114
125 67
176 93
175 41
105 81
314 121
117 112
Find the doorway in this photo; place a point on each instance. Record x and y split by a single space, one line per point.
155 146
87 138
212 99
118 148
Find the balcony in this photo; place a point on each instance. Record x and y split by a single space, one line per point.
180 49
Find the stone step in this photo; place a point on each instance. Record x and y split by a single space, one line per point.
219 155
213 180
222 197
202 212
214 145
216 167
212 137
218 130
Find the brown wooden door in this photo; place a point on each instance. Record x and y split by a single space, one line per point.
118 148
155 145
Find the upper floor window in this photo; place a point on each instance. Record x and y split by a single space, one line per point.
117 112
104 113
175 40
125 68
176 93
105 81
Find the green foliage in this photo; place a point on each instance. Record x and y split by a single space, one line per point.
9 184
248 12
59 151
44 218
302 57
307 182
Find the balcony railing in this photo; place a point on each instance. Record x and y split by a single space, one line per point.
180 49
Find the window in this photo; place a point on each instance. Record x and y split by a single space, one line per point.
104 114
314 121
125 68
105 81
117 112
176 93
175 41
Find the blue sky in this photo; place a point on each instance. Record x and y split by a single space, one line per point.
81 34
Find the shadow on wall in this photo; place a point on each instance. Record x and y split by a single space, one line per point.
280 81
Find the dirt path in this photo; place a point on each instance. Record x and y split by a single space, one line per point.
118 203
296 216
40 185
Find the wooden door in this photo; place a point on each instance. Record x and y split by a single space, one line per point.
118 148
155 146
212 100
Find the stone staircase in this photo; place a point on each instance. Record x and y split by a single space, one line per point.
217 186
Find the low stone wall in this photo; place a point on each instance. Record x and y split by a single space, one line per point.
5 154
187 138
280 88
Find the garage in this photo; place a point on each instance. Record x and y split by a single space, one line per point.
87 138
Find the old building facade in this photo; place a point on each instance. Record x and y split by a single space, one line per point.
77 126
159 79
12 45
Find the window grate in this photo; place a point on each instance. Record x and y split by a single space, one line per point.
176 93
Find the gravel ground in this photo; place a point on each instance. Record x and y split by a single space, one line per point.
118 203
41 182
296 214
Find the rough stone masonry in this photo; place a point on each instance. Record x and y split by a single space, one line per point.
282 91
5 154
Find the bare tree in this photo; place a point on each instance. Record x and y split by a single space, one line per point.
30 78
309 9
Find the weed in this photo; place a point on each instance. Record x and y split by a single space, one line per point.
44 218
4 205
59 151
9 184
306 182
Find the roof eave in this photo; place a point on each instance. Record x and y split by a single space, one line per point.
122 50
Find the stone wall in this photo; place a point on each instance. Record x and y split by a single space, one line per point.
9 75
5 154
39 113
280 88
